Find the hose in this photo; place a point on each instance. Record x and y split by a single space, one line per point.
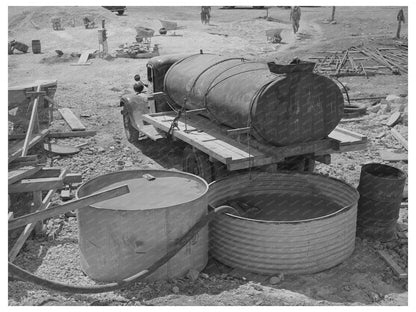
24 275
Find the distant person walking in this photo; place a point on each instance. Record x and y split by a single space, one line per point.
205 14
400 19
295 18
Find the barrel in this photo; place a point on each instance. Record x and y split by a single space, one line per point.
282 109
381 190
125 235
287 222
21 46
36 46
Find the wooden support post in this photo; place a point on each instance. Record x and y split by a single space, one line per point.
37 203
33 117
69 206
333 14
29 228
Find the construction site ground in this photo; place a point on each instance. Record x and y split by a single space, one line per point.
94 91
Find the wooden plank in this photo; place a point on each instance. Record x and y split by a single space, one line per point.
72 205
399 138
29 228
392 156
151 132
344 136
33 185
51 172
33 119
400 273
72 134
16 150
202 141
22 173
26 158
352 147
59 134
73 122
83 59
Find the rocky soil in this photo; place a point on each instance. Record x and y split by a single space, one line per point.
94 92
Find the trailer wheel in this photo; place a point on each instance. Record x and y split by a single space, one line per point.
132 134
197 163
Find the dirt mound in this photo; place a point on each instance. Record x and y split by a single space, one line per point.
29 18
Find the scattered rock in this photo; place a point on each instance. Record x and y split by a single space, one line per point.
374 296
175 289
204 275
257 287
392 97
276 279
192 274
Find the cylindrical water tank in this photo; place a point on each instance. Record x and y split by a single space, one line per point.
125 235
282 109
292 223
381 190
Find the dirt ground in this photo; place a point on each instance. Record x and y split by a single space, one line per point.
94 91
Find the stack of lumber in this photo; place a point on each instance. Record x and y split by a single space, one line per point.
363 61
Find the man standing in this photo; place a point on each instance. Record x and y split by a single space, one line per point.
295 18
400 19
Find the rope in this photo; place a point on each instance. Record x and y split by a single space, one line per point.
24 275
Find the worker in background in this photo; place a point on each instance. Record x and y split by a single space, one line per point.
295 18
400 19
139 85
205 14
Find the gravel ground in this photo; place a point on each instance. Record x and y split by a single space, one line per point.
94 92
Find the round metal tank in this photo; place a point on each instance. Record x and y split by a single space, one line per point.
295 223
282 109
381 191
124 235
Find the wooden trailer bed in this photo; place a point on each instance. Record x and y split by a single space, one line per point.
234 149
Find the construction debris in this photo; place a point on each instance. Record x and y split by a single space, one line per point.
364 61
136 50
399 138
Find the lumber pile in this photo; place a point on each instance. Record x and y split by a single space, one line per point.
363 61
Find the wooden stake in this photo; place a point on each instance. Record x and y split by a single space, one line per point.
33 118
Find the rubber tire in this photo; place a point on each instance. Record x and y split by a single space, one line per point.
197 163
132 134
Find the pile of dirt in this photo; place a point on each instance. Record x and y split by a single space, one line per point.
40 17
55 59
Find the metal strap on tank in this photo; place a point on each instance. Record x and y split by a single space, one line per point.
253 100
211 86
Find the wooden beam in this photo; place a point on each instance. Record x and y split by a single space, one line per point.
33 185
16 151
73 122
53 172
69 134
22 173
399 138
33 118
390 261
29 228
72 205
